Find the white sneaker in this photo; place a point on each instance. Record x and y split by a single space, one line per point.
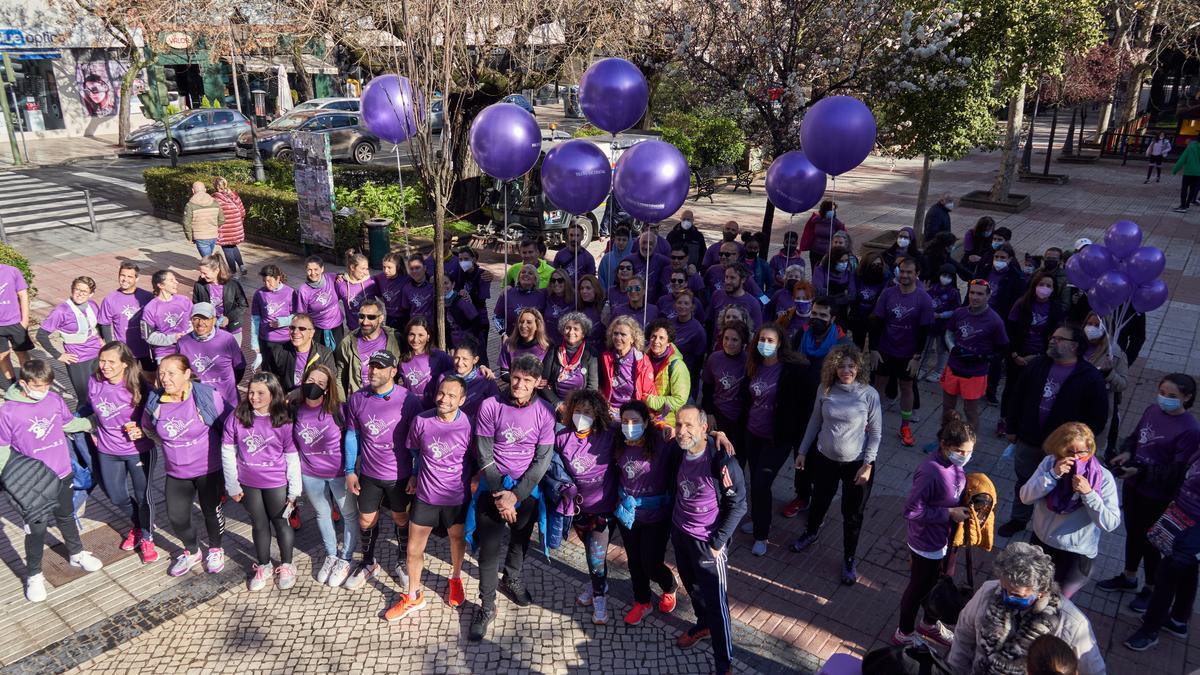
361 574
214 562
747 527
585 596
326 569
401 575
933 376
760 548
341 570
87 561
262 574
35 588
599 611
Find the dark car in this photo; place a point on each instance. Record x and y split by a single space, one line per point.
205 129
347 139
519 100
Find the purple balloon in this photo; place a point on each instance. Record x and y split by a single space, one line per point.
794 185
1145 264
613 94
652 180
1098 302
505 141
1151 296
1123 237
1114 287
837 134
1076 275
387 108
1096 260
576 176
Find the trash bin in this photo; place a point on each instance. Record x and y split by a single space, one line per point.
378 240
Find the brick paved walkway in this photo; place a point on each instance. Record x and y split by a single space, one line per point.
788 606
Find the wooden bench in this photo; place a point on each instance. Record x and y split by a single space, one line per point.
744 180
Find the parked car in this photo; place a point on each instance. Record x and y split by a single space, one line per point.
330 103
436 116
204 129
347 139
519 100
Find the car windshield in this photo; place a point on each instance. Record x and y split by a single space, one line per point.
308 105
288 122
178 117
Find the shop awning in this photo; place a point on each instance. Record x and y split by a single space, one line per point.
32 54
268 64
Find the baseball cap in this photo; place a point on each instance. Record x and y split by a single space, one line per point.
1081 242
383 359
204 309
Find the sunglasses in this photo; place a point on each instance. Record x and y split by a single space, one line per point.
558 281
367 317
625 268
678 282
727 255
299 329
634 289
679 257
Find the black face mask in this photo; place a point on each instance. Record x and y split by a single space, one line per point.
818 326
1050 265
312 391
729 236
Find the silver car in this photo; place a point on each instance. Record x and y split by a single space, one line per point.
330 103
347 138
204 129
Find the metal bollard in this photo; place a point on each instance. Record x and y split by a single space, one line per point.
3 232
87 197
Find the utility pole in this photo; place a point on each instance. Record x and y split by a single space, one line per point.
9 79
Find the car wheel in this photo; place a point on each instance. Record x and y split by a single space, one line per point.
166 148
285 155
363 153
588 227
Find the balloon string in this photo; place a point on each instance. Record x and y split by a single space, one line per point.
403 209
832 218
646 281
504 187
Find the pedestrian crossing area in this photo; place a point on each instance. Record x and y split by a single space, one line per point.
29 204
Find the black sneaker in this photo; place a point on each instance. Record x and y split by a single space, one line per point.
991 399
1011 528
1142 601
484 616
1141 641
1176 628
514 589
1118 583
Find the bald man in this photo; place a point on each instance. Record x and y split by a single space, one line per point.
201 218
729 232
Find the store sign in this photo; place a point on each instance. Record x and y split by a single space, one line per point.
178 40
11 37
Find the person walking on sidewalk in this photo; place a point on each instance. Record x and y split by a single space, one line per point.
1189 186
1156 152
899 327
202 219
230 232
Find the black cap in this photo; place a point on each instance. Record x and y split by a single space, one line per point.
383 359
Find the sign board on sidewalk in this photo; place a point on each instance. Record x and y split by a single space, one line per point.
314 187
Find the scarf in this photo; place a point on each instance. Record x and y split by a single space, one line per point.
810 347
569 360
660 362
1063 498
1005 633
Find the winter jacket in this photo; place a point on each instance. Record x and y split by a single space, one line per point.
817 235
202 217
32 486
977 531
691 241
1082 398
285 363
349 364
672 387
557 485
937 219
231 232
1076 531
643 376
1189 161
233 301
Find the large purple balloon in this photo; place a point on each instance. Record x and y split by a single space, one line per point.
1098 302
1095 260
1149 297
794 185
576 176
837 134
1076 275
652 180
1123 237
613 94
387 108
505 141
1114 287
1145 264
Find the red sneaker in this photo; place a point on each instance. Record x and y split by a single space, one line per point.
906 436
406 606
794 507
149 553
666 603
457 595
131 540
639 612
337 515
294 519
692 636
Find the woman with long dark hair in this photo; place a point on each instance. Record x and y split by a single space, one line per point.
1031 321
722 379
420 362
354 286
165 317
529 337
215 284
833 278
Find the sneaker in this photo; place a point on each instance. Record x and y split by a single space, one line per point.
692 636
285 576
294 519
584 599
902 639
361 574
1118 583
131 539
747 527
1001 428
1011 528
794 507
214 562
183 562
401 574
991 399
803 542
638 612
35 588
850 572
484 616
1142 640
86 561
906 436
1139 604
514 589
1182 209
407 605
1146 182
933 376
599 612
666 602
759 549
457 595
262 574
936 632
1177 628
148 551
326 569
337 575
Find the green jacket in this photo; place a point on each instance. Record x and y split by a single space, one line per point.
1189 161
202 217
674 384
349 365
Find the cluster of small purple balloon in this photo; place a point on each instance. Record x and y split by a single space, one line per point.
1120 271
837 134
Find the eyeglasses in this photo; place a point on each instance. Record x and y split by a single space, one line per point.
678 282
726 255
625 268
298 329
367 317
633 289
558 281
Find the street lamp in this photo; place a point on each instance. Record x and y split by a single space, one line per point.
241 32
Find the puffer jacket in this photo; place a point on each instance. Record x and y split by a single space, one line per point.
673 385
32 486
232 231
202 217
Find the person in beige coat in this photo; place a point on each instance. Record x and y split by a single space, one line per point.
201 218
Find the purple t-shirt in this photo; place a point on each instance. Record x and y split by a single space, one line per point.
1035 338
321 303
113 406
1054 381
666 308
169 318
36 430
569 379
391 290
508 355
382 428
442 451
589 460
556 307
352 294
123 311
692 341
268 305
190 448
725 373
642 316
866 297
319 439
975 335
214 361
622 379
479 389
63 320
417 300
365 349
260 450
657 263
573 265
417 373
696 504
764 389
517 433
11 283
752 304
514 300
902 315
642 477
1163 439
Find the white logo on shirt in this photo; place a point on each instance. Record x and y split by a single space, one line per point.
107 408
514 434
417 301
414 377
323 298
276 308
1051 389
439 449
173 319
583 463
255 443
376 426
635 469
688 489
760 387
39 427
310 434
390 295
902 311
729 381
201 363
128 311
1146 435
966 331
175 426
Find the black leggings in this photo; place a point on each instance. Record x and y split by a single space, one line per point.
1071 570
1140 515
826 475
114 469
180 493
923 575
1189 190
766 458
1155 163
266 507
78 373
489 530
1175 596
595 531
64 517
646 549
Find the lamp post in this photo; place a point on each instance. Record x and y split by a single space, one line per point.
241 32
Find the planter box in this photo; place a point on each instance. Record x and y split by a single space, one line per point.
1050 179
982 199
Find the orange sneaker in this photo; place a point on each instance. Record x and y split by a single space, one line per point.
794 507
406 606
906 436
666 603
639 612
457 595
692 636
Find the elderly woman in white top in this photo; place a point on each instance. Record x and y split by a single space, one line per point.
1074 498
996 628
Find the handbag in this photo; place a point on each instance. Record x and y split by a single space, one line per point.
947 598
1168 526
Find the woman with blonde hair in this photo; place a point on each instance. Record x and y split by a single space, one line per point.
626 373
1074 498
528 338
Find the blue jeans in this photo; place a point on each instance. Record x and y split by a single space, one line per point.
205 246
318 492
233 256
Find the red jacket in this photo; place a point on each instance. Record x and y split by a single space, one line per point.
231 232
643 376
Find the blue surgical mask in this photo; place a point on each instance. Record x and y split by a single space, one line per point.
1169 404
996 245
1017 601
828 215
449 296
946 280
633 431
1000 265
958 459
465 265
842 266
767 349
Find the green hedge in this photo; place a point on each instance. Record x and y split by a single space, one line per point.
10 256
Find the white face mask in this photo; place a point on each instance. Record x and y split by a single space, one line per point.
1093 332
35 395
903 242
465 265
582 422
686 224
1000 265
949 206
946 281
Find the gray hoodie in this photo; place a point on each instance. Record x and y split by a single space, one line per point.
846 423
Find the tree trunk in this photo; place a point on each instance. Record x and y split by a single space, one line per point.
1050 143
302 77
1104 118
1133 94
126 92
439 270
922 198
1069 147
767 222
1011 148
